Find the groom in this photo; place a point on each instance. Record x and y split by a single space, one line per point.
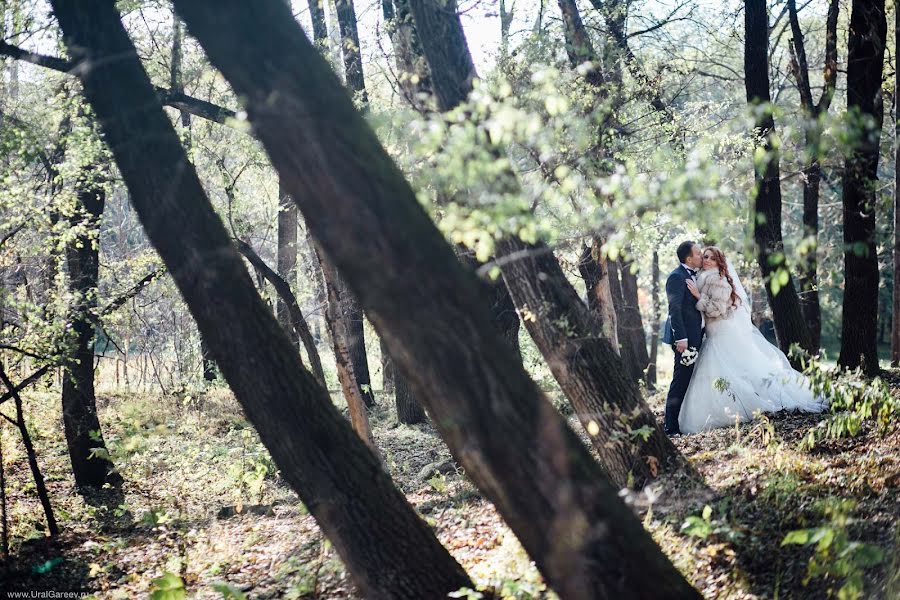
684 329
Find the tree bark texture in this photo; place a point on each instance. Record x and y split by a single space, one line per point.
812 171
595 272
790 326
79 404
865 63
895 304
412 68
287 259
631 323
508 437
387 547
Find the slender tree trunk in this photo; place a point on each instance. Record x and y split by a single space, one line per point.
812 172
354 327
79 404
287 258
633 322
320 29
790 326
4 522
351 313
350 48
387 370
628 350
356 404
297 323
507 436
39 485
865 63
895 312
595 272
808 277
176 84
387 547
412 69
654 329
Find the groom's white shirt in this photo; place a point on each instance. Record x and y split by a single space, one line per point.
694 277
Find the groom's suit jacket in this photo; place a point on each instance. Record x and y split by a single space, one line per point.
684 320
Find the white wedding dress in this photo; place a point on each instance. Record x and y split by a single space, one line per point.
756 376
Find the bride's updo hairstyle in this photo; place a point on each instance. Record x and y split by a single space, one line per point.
722 264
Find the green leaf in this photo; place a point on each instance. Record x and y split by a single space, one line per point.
799 536
707 512
168 586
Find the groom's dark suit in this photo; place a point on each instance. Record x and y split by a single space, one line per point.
684 322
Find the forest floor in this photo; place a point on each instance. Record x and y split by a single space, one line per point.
203 502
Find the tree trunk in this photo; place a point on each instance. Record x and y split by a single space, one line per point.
389 550
320 29
388 372
508 437
895 312
356 404
287 259
209 364
790 326
654 329
409 411
354 328
79 405
865 63
296 324
353 67
595 272
607 401
633 322
812 172
412 69
39 485
624 324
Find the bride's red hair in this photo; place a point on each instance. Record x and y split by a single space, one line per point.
722 264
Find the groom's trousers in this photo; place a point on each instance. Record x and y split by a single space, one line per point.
681 378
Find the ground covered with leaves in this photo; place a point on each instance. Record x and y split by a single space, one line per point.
205 514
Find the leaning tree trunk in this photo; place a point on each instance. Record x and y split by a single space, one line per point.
790 326
297 323
608 402
498 425
865 62
561 326
389 550
356 404
79 404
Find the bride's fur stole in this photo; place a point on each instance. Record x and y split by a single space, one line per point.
715 295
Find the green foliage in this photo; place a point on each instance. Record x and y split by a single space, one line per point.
836 556
704 526
855 402
168 586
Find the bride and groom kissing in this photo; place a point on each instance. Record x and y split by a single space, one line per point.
725 370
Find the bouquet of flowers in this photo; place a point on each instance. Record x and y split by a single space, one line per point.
689 356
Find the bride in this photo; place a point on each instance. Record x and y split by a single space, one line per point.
738 372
